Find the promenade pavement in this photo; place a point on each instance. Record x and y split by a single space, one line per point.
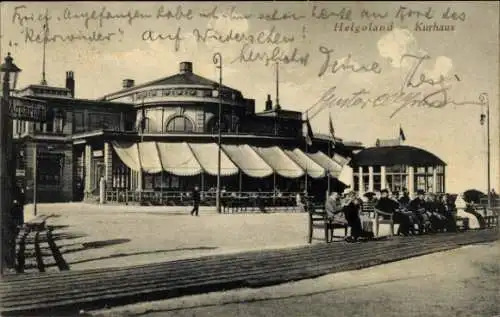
461 282
91 236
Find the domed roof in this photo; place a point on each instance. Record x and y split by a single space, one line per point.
395 155
185 78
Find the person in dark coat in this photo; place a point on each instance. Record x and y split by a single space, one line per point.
391 206
404 201
18 200
418 207
196 201
352 206
447 209
436 213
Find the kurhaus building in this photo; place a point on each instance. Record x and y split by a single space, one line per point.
156 141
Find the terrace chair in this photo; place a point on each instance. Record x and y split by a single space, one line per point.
378 220
318 220
491 216
368 208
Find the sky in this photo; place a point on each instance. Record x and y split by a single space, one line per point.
416 65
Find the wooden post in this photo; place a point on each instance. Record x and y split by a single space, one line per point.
35 178
240 182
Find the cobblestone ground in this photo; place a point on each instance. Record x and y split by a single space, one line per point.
92 236
461 282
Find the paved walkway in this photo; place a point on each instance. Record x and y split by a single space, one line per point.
90 236
69 292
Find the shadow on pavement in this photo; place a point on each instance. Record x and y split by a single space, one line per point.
57 227
103 243
119 255
67 236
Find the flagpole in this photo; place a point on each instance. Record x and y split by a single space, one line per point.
306 171
45 31
327 173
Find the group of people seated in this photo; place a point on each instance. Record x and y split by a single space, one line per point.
426 213
346 209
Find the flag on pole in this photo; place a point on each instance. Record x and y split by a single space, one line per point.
402 134
332 130
309 135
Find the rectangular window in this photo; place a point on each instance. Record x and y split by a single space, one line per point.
79 124
148 181
104 121
49 168
377 184
356 183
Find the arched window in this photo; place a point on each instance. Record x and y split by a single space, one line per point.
180 124
213 123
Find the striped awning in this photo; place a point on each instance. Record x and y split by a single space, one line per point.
129 154
206 154
178 159
340 159
187 159
150 159
248 160
327 163
281 163
312 168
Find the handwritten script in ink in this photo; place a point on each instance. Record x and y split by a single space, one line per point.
410 94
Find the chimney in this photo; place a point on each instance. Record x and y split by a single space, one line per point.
186 67
128 83
70 82
269 103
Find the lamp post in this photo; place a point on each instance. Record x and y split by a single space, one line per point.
9 73
483 98
217 59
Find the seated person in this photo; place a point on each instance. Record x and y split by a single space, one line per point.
417 207
447 209
391 206
333 209
404 200
471 209
352 206
433 208
464 212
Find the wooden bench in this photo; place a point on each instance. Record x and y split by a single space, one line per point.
318 220
388 218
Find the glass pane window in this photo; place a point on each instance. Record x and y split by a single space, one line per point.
420 170
377 184
180 124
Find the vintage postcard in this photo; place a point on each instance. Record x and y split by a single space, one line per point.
259 158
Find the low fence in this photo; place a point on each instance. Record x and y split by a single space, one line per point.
230 201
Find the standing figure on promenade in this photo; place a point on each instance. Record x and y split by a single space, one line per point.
196 201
